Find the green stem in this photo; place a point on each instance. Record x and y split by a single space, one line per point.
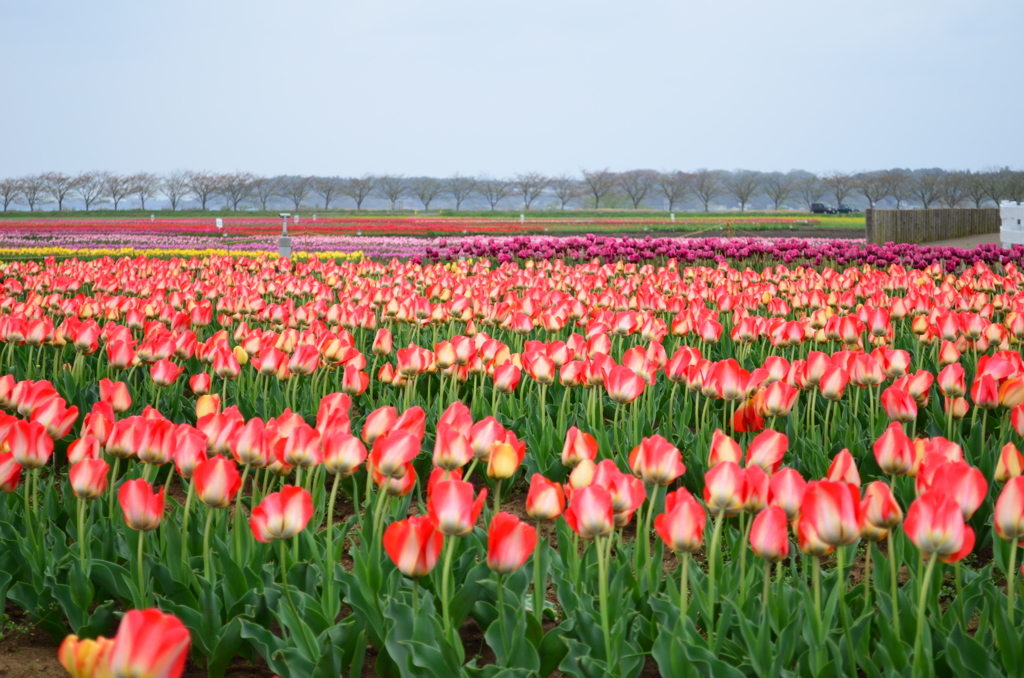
602 566
816 576
329 574
743 556
445 592
110 488
239 536
142 567
922 598
184 520
841 583
206 542
766 590
501 610
648 558
894 584
538 583
684 587
497 496
1011 580
81 533
716 536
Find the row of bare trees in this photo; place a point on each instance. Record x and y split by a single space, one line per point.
592 188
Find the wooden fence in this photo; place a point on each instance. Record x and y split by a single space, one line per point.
921 226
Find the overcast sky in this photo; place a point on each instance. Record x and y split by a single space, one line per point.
497 87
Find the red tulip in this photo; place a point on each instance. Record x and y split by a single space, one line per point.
769 536
452 448
414 545
354 381
217 481
786 490
985 392
767 450
899 405
755 489
506 377
623 384
844 469
157 444
951 381
281 515
578 446
962 482
379 423
590 512
1010 464
301 448
55 416
89 478
343 453
200 383
681 526
249 447
164 372
221 429
935 524
657 461
510 542
304 360
484 435
149 644
397 486
724 488
545 500
29 443
833 383
831 513
382 342
10 472
880 507
391 453
189 452
143 510
100 422
723 448
894 451
414 421
453 509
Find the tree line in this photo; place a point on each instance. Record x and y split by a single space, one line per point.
594 189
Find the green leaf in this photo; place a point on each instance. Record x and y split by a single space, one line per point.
228 643
966 656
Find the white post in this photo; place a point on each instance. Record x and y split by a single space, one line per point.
152 218
673 215
522 218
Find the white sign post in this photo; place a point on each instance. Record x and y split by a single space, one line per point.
1012 231
284 243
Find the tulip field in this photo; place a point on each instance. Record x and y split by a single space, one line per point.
530 462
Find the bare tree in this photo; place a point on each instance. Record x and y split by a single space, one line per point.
599 183
265 189
359 188
974 188
839 184
10 190
897 184
144 185
118 187
744 185
566 188
237 188
493 190
810 189
872 185
1014 185
706 185
636 184
426 189
673 186
460 188
953 188
34 188
328 188
529 187
926 187
58 186
176 187
994 181
296 189
778 187
392 187
204 186
91 187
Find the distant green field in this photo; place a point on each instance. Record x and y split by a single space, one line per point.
655 220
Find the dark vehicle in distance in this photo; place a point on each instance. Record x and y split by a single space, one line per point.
846 209
823 208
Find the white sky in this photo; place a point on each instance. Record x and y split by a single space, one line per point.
494 86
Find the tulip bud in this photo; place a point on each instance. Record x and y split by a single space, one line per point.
769 538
